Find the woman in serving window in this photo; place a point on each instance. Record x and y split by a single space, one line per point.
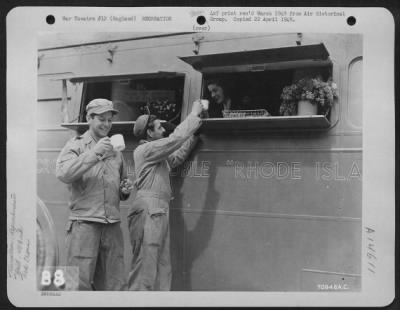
220 98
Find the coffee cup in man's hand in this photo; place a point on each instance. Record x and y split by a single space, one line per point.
118 142
197 108
205 104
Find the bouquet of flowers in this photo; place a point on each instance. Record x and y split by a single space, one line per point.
318 92
289 96
163 109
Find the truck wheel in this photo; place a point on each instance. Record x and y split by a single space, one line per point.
47 253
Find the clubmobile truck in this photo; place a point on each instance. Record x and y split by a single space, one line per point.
266 202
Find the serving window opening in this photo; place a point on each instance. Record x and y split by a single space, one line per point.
265 88
252 94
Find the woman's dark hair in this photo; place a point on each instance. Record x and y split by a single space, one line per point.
220 83
216 82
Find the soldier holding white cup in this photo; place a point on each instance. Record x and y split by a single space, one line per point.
97 177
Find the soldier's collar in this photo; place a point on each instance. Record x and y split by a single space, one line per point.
87 138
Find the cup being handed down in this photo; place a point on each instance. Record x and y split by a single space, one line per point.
126 186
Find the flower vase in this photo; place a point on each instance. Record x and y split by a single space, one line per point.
305 107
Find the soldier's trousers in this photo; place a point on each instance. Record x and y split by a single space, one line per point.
148 221
97 249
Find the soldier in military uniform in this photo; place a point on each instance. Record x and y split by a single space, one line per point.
148 217
97 178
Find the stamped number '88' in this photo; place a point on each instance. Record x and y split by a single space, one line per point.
59 279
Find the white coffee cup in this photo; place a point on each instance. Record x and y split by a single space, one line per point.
205 104
118 142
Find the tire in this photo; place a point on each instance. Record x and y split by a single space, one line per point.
47 252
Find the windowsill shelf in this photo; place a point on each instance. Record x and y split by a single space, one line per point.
225 124
269 122
126 126
116 126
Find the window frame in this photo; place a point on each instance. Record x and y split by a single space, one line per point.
118 126
310 56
